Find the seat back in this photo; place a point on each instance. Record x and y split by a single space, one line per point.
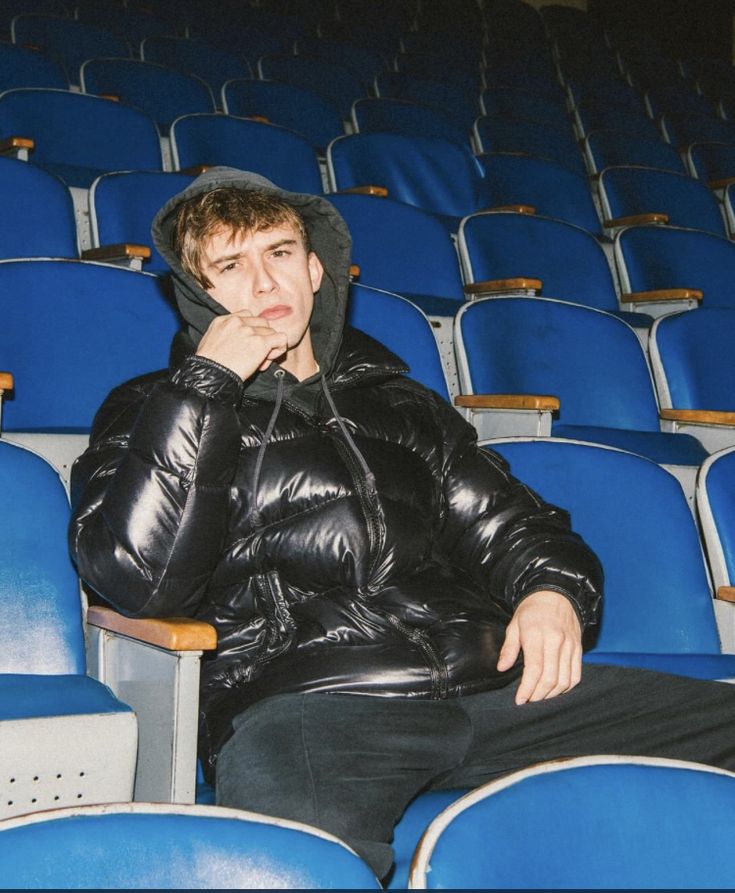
609 822
629 191
692 359
453 99
568 260
281 155
24 67
77 136
336 82
162 93
40 609
403 328
716 509
434 174
500 102
605 148
122 207
38 219
712 161
635 516
212 64
663 257
550 188
590 360
399 247
149 846
388 115
528 137
299 108
84 318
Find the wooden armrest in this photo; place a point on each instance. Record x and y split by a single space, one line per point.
516 209
637 220
699 416
113 97
354 272
174 633
197 169
725 593
380 191
6 382
721 184
12 143
112 252
664 294
540 402
261 119
488 286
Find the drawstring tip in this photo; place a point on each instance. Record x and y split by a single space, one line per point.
370 480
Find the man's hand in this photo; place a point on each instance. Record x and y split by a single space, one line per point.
546 628
242 342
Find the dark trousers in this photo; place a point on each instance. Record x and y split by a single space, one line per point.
350 764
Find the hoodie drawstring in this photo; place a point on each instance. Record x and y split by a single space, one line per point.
256 516
369 476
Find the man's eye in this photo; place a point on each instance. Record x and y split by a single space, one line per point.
227 267
281 252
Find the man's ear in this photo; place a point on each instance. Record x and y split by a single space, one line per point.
316 271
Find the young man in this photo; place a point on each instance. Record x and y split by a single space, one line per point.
394 610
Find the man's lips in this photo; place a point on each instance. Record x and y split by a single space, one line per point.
278 311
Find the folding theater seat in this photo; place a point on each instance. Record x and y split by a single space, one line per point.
162 93
65 738
361 60
310 114
712 162
155 846
527 137
453 100
386 115
133 24
24 67
683 130
504 102
212 64
618 822
281 155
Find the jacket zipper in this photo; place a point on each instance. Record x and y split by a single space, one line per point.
437 668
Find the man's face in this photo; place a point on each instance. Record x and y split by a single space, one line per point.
267 274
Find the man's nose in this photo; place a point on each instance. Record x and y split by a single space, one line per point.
263 281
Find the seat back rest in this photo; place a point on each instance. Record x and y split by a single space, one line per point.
716 507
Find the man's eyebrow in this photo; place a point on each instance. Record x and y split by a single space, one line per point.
238 254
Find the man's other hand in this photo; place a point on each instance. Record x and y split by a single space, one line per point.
545 627
242 342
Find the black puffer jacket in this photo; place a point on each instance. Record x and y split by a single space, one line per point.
343 534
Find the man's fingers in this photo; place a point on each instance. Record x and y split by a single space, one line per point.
511 648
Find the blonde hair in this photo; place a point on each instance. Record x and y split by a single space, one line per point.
241 211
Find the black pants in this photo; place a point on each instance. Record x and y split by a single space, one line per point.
350 764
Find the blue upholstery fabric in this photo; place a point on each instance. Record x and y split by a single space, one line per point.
453 99
661 447
635 516
719 491
334 81
124 204
403 328
32 696
121 848
212 64
599 826
508 101
160 92
315 117
281 155
528 137
712 160
79 137
697 358
84 318
641 190
23 67
611 147
663 257
684 129
389 115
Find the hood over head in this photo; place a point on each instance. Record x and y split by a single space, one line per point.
330 240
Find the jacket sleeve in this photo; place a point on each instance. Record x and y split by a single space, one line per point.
505 536
150 496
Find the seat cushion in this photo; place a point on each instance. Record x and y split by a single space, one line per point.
30 697
696 666
658 446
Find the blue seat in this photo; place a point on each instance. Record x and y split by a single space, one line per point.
434 174
656 258
499 102
569 261
448 63
122 207
452 99
529 137
403 249
151 846
598 822
383 114
632 191
403 328
550 188
68 40
212 64
38 213
281 155
590 115
336 82
67 740
312 115
134 23
590 360
712 162
79 137
606 148
658 611
683 130
160 92
23 67
361 60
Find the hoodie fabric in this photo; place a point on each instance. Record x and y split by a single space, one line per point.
343 534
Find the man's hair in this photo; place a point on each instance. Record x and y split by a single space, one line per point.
232 209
